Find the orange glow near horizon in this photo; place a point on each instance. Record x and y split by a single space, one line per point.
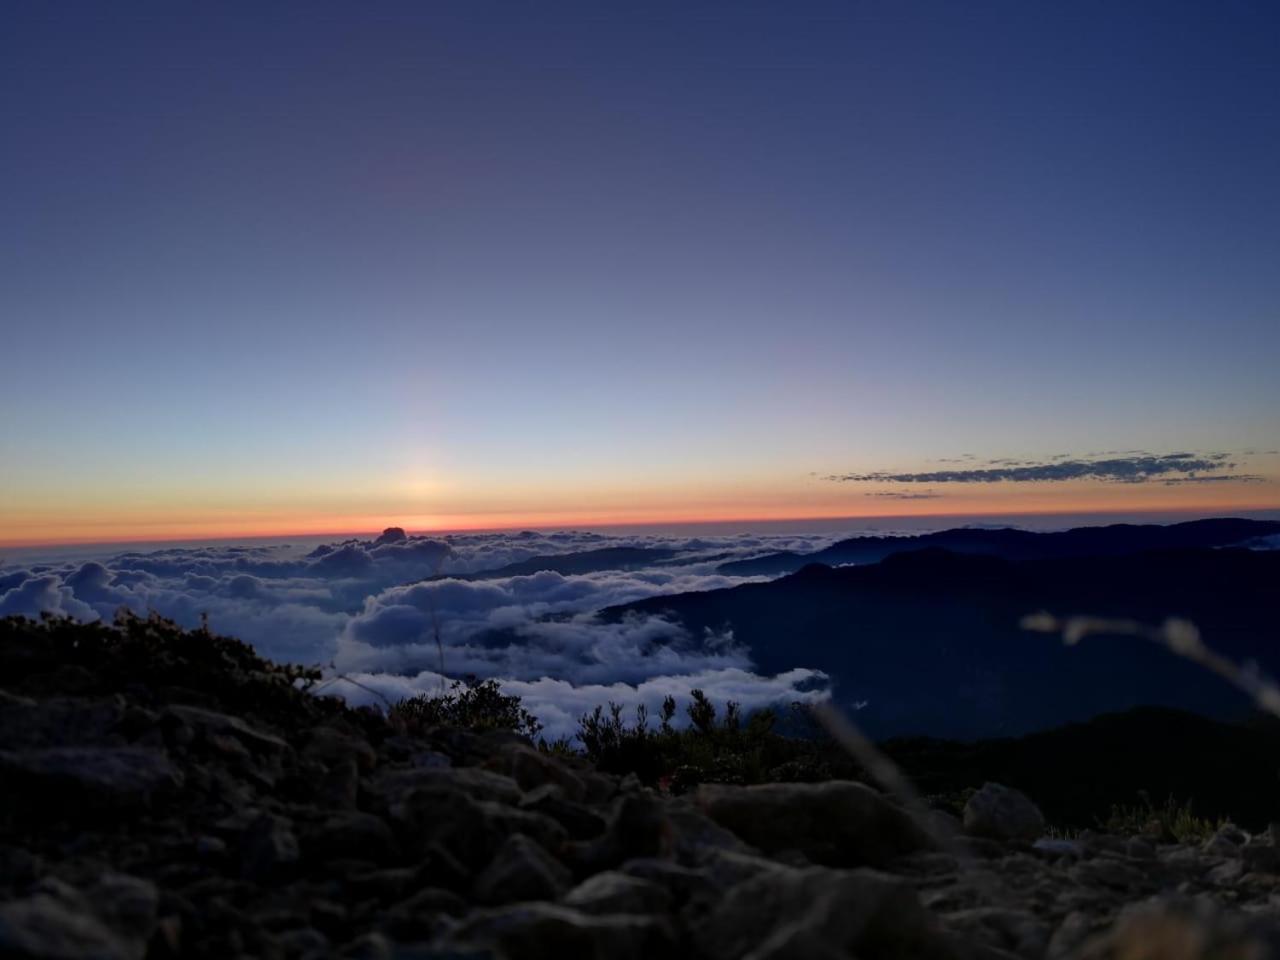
284 524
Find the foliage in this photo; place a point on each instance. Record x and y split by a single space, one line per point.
1171 820
720 749
153 658
477 706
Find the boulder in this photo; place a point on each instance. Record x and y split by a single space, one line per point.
185 720
997 812
89 779
351 835
829 912
533 931
479 784
531 768
268 847
49 927
837 823
127 904
329 747
579 821
1176 929
521 870
615 892
57 721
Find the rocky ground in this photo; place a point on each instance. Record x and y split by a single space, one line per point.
168 794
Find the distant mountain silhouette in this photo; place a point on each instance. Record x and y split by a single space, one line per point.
930 641
1114 540
1079 771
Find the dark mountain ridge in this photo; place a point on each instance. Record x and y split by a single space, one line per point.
930 642
1012 544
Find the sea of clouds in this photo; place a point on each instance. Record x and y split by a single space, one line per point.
388 612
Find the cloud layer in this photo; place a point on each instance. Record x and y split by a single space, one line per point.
386 609
1167 468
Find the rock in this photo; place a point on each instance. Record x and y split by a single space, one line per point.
369 946
91 780
1182 930
837 823
998 812
448 818
337 786
1112 874
580 822
1055 847
474 782
47 927
1227 873
424 915
614 892
1139 848
127 904
521 870
504 821
531 768
532 931
1076 927
351 835
682 883
212 725
268 847
1225 842
843 912
210 848
728 868
303 942
1261 858
1017 931
57 721
693 833
330 747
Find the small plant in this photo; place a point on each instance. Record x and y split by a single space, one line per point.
714 748
1170 821
476 706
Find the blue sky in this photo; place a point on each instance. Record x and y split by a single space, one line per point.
316 266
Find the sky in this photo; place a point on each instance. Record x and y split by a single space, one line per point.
314 267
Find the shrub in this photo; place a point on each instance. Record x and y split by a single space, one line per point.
710 749
1171 821
477 706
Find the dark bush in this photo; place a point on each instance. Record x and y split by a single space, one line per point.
724 751
477 706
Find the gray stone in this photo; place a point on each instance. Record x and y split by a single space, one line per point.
615 892
472 781
858 912
57 721
117 778
838 823
210 723
330 747
997 812
351 835
521 870
268 847
1261 857
127 904
45 926
532 931
531 768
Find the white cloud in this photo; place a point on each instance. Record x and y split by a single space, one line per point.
368 606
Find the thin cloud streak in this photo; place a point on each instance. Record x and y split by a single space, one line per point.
1168 468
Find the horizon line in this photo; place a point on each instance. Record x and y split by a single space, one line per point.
1215 512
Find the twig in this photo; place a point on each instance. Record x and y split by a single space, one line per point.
1179 636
